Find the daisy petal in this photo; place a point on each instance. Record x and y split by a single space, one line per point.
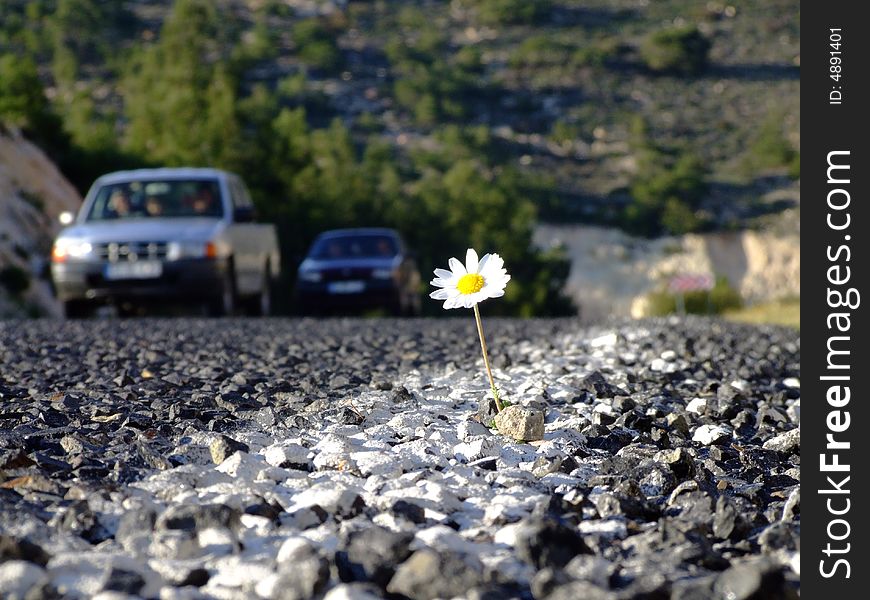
440 294
471 260
443 273
496 262
481 266
457 267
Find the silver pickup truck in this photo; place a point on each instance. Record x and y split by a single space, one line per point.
165 235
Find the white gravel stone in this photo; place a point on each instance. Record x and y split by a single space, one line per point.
710 434
477 448
292 549
280 455
242 465
17 577
375 462
345 592
606 340
187 592
697 406
82 575
469 429
331 497
659 364
216 541
422 454
784 442
609 529
794 412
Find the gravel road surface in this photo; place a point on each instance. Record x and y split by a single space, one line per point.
346 459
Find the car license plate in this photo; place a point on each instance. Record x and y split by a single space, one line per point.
346 287
140 269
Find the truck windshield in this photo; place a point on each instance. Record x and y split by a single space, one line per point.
153 199
354 246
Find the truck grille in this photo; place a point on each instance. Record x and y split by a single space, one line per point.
119 251
344 274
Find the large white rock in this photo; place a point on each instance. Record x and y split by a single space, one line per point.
711 434
283 455
17 577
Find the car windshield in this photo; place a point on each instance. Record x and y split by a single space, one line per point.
354 246
152 199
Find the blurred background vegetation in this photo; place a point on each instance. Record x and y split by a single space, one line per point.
459 122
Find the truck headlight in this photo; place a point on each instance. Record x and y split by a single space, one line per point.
179 250
382 273
311 276
66 248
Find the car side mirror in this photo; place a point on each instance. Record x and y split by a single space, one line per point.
66 217
244 214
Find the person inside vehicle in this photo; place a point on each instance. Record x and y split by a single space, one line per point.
334 250
384 248
118 206
153 206
204 202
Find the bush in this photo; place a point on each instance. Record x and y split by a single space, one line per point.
771 150
22 101
538 50
512 12
429 85
15 279
682 51
721 298
666 193
316 45
598 53
667 189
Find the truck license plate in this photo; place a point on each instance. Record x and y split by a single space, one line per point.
140 269
346 287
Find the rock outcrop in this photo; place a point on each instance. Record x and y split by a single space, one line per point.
33 193
612 272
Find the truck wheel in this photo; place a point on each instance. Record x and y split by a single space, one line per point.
260 305
416 306
77 309
224 304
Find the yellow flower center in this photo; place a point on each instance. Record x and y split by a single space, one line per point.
470 283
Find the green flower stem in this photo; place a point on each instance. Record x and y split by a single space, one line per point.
495 394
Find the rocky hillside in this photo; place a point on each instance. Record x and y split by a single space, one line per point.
33 193
613 273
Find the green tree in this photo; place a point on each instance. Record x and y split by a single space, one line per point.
667 188
22 99
316 44
180 98
682 50
502 12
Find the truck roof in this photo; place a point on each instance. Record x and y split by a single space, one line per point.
163 173
358 231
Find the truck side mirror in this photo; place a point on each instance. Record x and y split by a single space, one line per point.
65 218
244 214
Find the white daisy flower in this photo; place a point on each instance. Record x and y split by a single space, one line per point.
463 286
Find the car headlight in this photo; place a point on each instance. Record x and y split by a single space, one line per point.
179 250
382 273
66 248
311 276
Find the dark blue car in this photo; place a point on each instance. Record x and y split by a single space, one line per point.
357 269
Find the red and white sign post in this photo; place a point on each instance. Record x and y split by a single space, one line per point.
690 282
